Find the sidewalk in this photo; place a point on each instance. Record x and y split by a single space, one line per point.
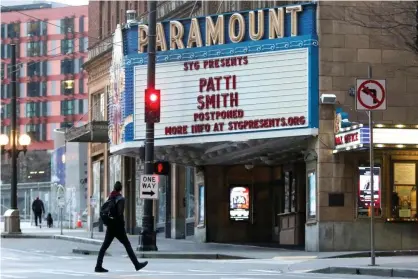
186 249
401 267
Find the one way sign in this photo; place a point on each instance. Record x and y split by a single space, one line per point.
149 187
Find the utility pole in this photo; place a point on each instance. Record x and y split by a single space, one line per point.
148 238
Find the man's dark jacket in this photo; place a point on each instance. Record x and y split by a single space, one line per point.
120 206
38 206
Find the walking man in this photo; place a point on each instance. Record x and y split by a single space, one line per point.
38 209
111 214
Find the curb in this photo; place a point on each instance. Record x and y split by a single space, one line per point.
60 237
20 235
79 239
381 272
191 256
377 254
164 255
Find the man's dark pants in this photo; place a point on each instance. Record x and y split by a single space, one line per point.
38 215
119 233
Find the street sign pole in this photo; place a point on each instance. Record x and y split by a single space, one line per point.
371 96
61 211
372 248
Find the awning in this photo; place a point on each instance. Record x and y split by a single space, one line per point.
95 131
272 151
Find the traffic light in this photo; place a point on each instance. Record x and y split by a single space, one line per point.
161 168
152 105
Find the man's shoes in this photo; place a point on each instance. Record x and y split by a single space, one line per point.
140 266
100 269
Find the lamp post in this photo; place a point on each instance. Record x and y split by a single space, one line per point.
11 216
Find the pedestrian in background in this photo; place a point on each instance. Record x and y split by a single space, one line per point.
38 209
111 214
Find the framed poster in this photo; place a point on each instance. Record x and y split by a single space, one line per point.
311 194
239 202
201 212
404 173
365 191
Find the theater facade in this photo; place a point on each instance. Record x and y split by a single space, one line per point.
255 156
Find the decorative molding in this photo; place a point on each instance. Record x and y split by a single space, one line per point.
204 53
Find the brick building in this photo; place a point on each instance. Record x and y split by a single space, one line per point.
52 85
299 186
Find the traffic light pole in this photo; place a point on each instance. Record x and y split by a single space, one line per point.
148 237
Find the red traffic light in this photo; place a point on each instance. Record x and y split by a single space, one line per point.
153 97
152 105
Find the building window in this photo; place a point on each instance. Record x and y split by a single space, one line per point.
404 191
36 89
67 87
8 49
67 46
82 44
190 204
33 69
37 132
67 25
67 107
3 31
13 30
81 106
3 70
36 109
67 67
36 68
81 24
9 72
66 125
5 130
6 111
81 86
32 109
34 28
9 90
98 107
36 49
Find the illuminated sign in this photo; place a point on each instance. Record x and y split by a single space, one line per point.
256 80
239 203
172 34
351 138
256 92
365 192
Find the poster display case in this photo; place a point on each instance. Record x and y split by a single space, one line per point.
239 202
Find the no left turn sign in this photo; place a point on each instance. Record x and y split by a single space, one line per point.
371 94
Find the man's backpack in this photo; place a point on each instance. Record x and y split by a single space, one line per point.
109 211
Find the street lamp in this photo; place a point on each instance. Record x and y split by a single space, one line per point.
11 216
24 141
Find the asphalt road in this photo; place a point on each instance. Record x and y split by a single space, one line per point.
53 262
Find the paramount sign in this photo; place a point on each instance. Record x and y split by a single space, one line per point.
215 26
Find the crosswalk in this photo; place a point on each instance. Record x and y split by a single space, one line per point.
189 273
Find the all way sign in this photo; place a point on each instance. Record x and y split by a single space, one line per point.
149 187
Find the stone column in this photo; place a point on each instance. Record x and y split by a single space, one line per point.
178 208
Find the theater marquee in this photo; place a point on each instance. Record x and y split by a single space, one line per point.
236 89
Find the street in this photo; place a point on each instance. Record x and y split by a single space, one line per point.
55 259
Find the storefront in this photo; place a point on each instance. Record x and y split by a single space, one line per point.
239 107
395 182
